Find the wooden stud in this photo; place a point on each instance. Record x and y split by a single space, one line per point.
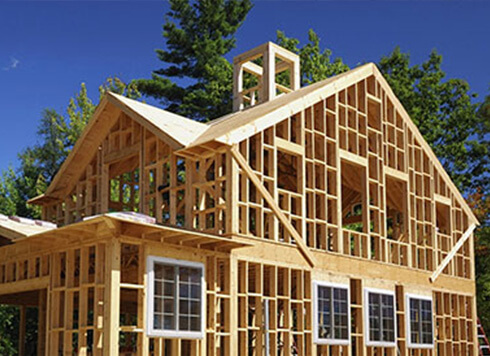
112 298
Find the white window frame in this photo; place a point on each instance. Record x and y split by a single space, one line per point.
330 341
150 330
368 291
408 323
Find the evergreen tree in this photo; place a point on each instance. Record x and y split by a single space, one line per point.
196 80
56 135
316 64
480 202
443 111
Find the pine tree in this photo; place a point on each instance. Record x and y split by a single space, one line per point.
56 135
316 64
444 113
196 80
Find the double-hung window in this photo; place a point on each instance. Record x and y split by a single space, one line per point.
331 313
380 316
175 298
419 323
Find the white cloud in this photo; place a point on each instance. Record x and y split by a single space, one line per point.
14 63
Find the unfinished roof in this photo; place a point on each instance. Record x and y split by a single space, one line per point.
13 228
176 128
235 127
183 134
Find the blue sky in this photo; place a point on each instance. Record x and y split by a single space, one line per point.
47 49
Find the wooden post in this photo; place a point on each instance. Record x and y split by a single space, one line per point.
22 331
142 175
143 341
104 186
269 76
233 326
232 213
296 76
237 86
42 319
112 298
274 206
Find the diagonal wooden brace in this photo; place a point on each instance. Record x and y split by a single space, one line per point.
452 253
273 205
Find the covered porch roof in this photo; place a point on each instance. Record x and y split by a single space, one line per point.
110 225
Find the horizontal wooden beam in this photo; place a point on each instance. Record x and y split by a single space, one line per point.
258 71
394 173
442 199
24 285
122 153
250 55
289 147
452 253
353 158
273 205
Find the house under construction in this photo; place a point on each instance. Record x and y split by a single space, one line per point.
311 221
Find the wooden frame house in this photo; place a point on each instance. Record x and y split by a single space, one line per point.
311 221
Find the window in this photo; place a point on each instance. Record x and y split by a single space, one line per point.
175 298
331 318
380 326
419 323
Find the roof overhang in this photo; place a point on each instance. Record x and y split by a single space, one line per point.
174 130
105 226
12 230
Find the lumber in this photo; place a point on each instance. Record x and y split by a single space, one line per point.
275 208
328 183
112 298
452 253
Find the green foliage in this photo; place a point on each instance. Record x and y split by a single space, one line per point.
39 163
480 202
56 135
196 80
316 64
8 330
118 86
443 111
482 242
8 193
79 111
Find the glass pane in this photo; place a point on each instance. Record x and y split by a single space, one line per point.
190 302
324 312
381 317
374 317
164 297
177 286
421 321
340 312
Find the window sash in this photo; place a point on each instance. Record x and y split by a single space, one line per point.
332 314
420 323
381 318
175 298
